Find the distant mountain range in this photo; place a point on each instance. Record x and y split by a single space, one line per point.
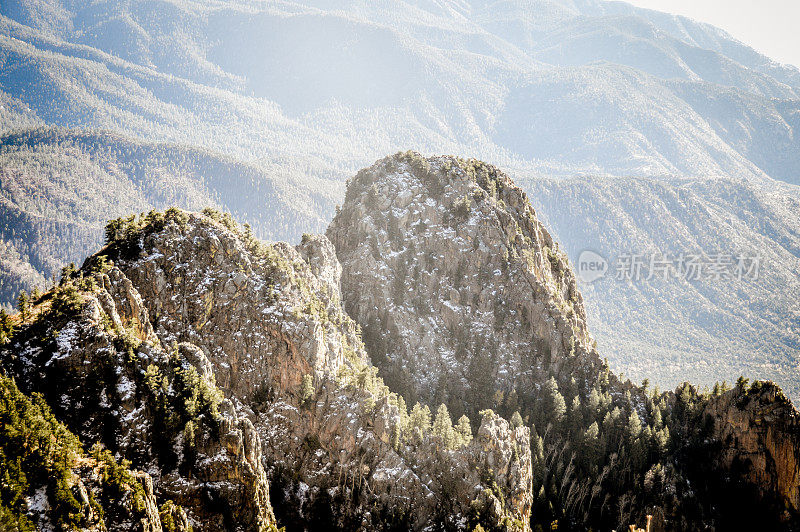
61 186
698 329
632 130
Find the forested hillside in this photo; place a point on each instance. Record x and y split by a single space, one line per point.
728 326
565 95
59 187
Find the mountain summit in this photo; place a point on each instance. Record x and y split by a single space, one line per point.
222 383
464 298
459 288
226 368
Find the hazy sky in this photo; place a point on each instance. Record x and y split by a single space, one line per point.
770 26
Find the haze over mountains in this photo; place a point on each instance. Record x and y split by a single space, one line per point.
632 131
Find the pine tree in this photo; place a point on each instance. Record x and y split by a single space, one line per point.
593 432
420 418
661 438
22 305
401 406
657 420
611 422
306 389
656 393
576 415
593 403
67 273
6 330
647 434
742 383
537 446
591 445
443 427
558 407
464 430
634 426
516 420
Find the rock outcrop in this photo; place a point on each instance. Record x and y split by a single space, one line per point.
341 450
464 298
460 290
758 431
91 352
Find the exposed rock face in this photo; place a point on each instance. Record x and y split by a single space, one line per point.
261 316
459 288
461 293
152 520
354 478
206 357
105 373
320 255
340 448
759 433
123 514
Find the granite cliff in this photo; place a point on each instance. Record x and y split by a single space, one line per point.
464 298
216 362
225 383
460 290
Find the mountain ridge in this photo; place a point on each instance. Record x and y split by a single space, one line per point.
546 90
191 322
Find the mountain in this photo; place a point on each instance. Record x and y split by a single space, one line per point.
589 86
226 368
556 92
232 371
50 218
728 326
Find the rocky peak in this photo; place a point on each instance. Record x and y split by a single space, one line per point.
340 448
464 298
208 282
459 288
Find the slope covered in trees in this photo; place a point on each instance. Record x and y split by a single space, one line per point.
50 480
59 187
532 85
727 325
